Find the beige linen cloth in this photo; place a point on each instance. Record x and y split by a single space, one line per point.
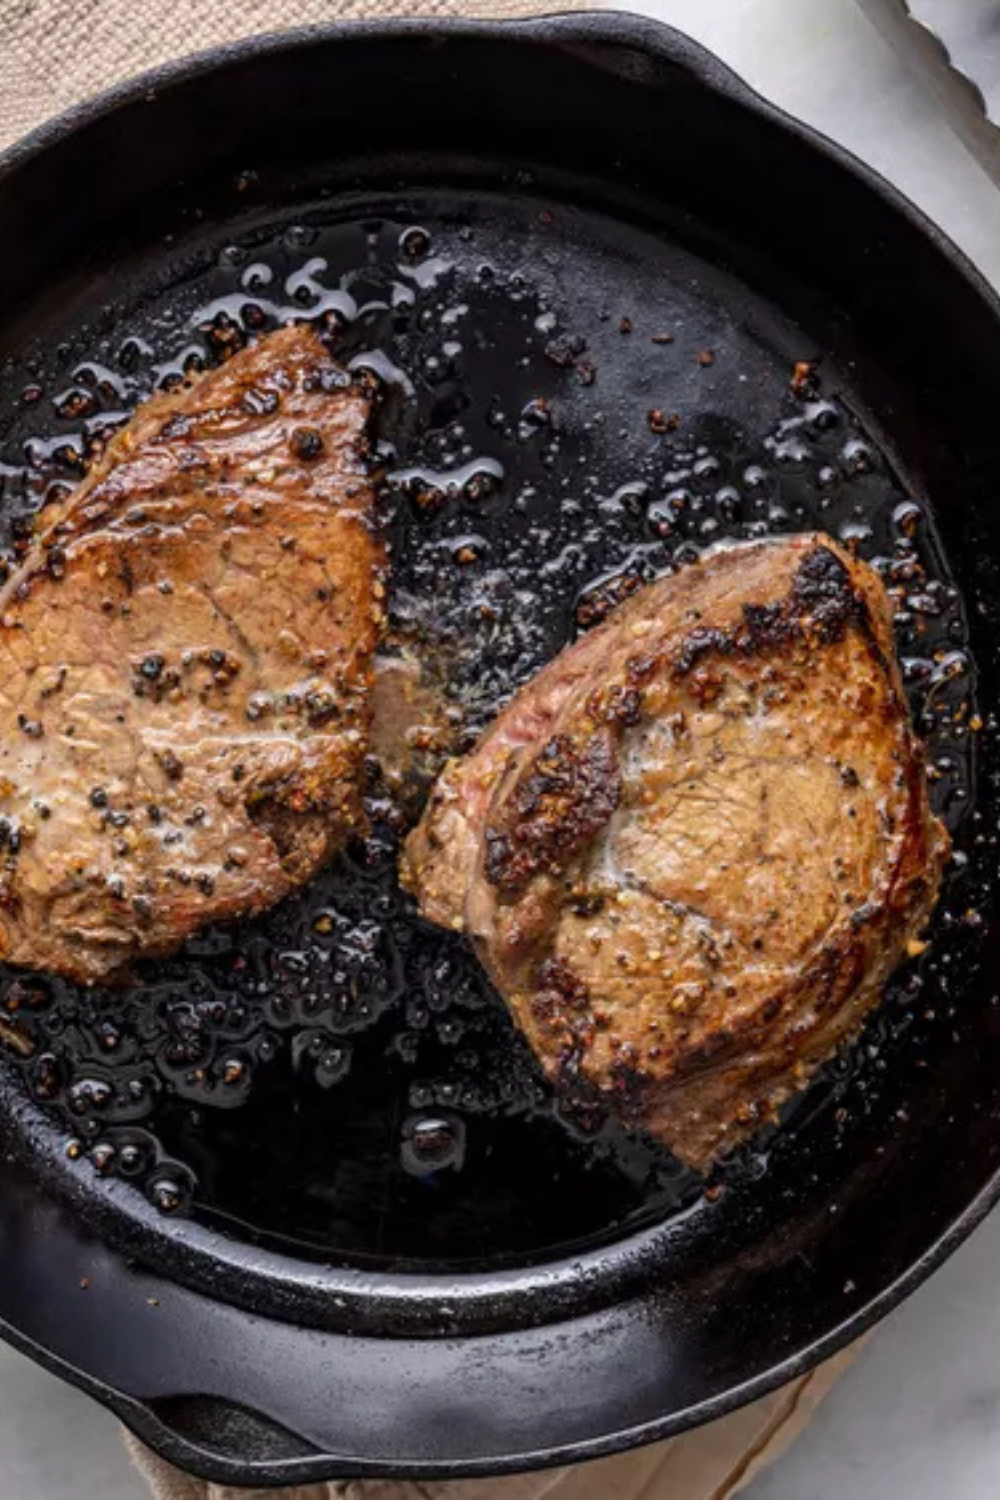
54 53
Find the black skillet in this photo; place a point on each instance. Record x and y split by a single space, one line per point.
299 1205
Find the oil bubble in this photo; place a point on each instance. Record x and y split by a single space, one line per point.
432 1143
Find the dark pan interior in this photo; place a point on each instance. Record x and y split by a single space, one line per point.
584 264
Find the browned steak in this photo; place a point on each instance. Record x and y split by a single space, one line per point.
692 850
186 667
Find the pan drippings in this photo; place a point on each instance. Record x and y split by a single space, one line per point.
566 412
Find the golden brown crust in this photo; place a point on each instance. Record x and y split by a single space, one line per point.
186 667
555 809
764 851
442 851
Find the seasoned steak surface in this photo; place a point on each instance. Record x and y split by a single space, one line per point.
185 667
700 842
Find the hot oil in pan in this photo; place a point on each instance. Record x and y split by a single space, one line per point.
566 413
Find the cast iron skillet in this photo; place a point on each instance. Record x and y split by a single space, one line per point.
299 1205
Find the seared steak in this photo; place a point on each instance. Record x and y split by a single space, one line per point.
187 653
693 849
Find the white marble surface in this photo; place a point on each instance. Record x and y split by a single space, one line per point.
971 33
918 1416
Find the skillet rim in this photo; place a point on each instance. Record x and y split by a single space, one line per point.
608 28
